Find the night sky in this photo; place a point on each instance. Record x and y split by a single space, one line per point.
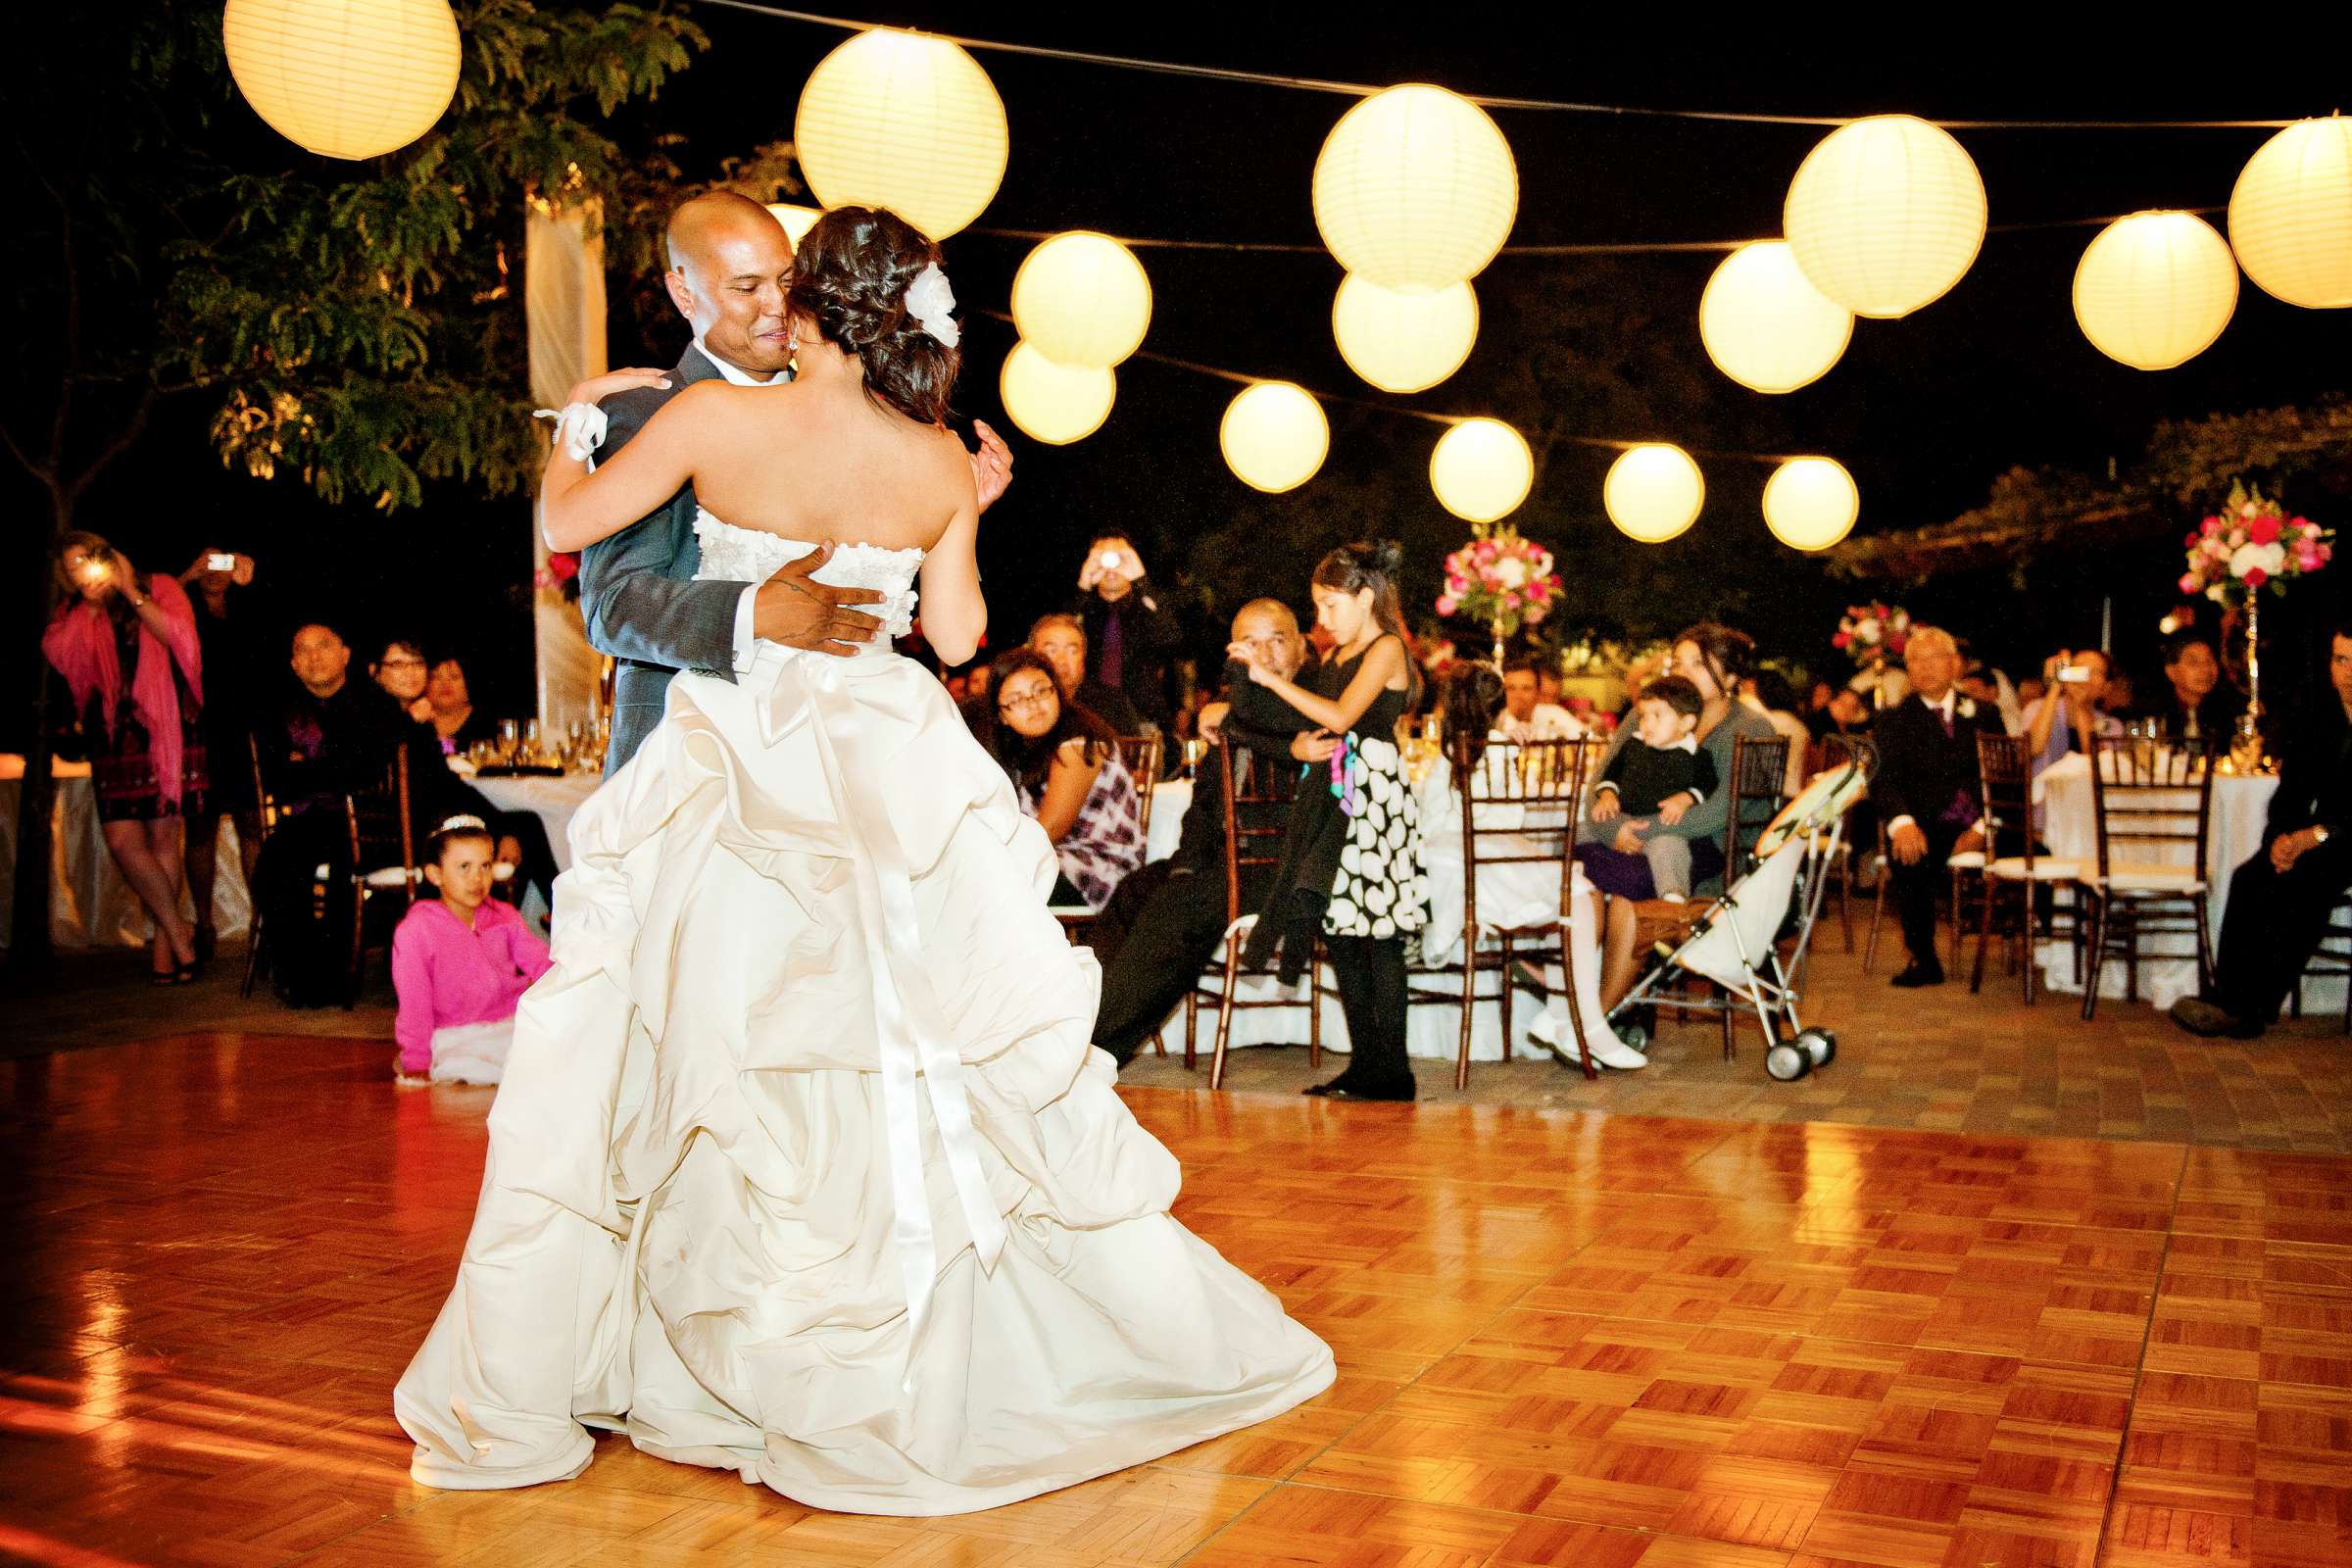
1926 411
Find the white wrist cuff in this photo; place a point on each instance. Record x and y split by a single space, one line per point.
579 428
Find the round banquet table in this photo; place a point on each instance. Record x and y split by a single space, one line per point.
90 905
2233 836
553 800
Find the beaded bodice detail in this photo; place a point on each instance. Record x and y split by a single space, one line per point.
748 555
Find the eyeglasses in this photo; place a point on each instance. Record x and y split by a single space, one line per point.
1037 699
402 663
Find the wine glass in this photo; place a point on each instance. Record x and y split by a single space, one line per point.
510 740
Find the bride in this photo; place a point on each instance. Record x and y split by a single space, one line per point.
804 1166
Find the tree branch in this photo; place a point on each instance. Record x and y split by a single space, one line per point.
132 427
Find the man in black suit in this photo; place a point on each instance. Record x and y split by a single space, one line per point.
1166 919
1928 789
730 265
2281 900
2195 705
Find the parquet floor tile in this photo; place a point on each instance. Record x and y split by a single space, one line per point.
1565 1339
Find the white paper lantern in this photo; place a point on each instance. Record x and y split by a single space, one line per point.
1082 298
798 220
1653 492
1810 503
1274 436
1885 215
1482 469
1764 323
1404 342
344 78
1057 404
1415 189
2155 290
902 121
2290 216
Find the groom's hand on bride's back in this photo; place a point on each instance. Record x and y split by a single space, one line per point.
792 607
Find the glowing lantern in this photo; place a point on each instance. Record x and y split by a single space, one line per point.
1885 215
2290 217
1057 404
797 220
344 78
2155 290
1482 469
902 121
1810 503
1274 436
1765 325
1082 298
1653 492
1404 342
1415 189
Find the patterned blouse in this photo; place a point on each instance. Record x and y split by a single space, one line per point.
1107 842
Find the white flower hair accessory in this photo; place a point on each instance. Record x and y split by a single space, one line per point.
930 301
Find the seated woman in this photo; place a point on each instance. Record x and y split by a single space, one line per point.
460 963
454 718
400 669
1064 765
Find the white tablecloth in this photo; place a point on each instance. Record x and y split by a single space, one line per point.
89 904
552 800
2234 833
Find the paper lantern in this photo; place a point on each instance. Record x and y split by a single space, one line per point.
1482 470
1653 492
1082 298
2290 216
1415 189
1057 404
1885 215
1765 325
2155 290
902 121
797 220
1274 436
1404 342
344 78
1810 503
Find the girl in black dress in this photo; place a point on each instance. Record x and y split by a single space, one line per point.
1351 866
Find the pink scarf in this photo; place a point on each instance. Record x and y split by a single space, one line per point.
81 643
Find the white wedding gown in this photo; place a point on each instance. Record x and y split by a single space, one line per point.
804 1166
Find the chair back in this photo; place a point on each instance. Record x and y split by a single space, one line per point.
1759 788
380 833
2153 802
2005 787
1519 801
1255 795
271 809
1142 756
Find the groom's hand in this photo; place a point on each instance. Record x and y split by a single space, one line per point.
792 607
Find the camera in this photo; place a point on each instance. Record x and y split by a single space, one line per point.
221 561
2074 675
1108 561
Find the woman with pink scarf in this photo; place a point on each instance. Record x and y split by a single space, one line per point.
130 657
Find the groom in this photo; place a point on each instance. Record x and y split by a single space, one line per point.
730 265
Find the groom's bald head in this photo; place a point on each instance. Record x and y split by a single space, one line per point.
731 264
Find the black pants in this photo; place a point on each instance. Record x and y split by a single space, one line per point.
309 938
1917 885
1370 971
1157 933
2272 925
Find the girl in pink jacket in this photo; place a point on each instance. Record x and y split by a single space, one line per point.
460 963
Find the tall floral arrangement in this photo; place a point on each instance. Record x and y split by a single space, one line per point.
1501 578
1872 634
2251 543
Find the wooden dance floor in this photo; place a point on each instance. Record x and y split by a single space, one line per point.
1563 1339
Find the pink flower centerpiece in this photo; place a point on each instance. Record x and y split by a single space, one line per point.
1872 634
2250 543
1501 578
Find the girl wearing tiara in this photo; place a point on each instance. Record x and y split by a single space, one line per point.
1351 866
460 963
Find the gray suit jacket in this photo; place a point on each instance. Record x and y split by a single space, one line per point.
637 595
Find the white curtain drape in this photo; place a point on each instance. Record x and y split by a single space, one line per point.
564 298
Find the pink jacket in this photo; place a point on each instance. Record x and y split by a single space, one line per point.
448 975
81 642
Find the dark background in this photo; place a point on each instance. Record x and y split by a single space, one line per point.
1926 411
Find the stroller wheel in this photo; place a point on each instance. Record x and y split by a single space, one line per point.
1635 1035
1788 1062
1819 1045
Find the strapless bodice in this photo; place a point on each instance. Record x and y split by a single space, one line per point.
748 555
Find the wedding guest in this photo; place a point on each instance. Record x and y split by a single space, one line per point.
128 650
460 963
1060 639
1064 763
409 677
1353 866
1166 919
401 670
1928 789
2081 680
2194 706
1525 716
2280 901
1130 631
454 718
1988 686
1547 685
1657 773
1769 693
233 678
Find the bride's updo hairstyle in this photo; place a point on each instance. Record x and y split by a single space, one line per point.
850 276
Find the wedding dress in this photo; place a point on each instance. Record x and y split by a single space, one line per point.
804 1166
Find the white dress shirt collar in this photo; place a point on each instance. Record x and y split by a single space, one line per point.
736 374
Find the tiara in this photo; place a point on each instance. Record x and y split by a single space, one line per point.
450 824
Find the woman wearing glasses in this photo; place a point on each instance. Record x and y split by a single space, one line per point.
1065 765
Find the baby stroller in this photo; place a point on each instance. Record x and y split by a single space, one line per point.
1737 941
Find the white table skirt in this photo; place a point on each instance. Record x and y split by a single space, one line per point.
552 800
90 905
2233 836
